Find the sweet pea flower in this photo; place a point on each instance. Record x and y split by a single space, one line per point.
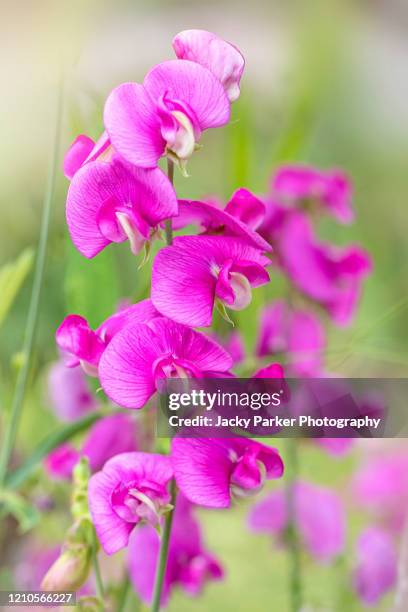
68 391
111 435
197 272
241 217
85 346
142 355
318 516
330 190
84 150
114 202
296 333
223 59
178 100
132 488
329 275
376 565
233 344
210 471
189 565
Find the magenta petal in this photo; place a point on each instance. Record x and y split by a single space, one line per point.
223 59
133 125
142 312
74 336
61 461
377 565
77 154
144 545
69 394
108 437
193 85
246 207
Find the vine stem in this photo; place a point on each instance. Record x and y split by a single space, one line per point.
11 428
167 224
295 579
163 553
100 591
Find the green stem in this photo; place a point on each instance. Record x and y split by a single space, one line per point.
123 595
163 554
100 591
295 580
167 224
29 335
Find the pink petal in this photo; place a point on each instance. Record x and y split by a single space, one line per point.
109 436
246 207
75 337
77 154
377 565
142 312
133 125
193 85
223 59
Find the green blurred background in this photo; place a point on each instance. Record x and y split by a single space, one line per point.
326 82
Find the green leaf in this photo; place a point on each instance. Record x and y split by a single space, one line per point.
25 514
12 276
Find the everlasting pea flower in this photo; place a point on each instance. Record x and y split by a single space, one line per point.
318 514
111 435
141 355
376 568
69 393
189 565
84 150
331 276
241 217
178 100
114 202
131 488
85 346
297 333
331 189
190 276
223 59
210 471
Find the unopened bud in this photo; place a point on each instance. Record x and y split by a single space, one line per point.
70 570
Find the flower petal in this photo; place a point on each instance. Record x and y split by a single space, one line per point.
77 154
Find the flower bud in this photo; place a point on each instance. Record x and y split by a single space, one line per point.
70 570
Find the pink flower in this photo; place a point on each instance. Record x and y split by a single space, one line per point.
111 435
376 568
131 488
114 202
233 344
85 346
196 271
381 487
69 393
319 518
331 190
166 115
140 356
210 471
189 565
296 333
329 275
223 59
241 217
336 447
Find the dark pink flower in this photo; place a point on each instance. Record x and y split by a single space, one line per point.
210 471
141 355
189 565
329 189
84 150
298 334
189 276
178 100
241 217
61 461
376 567
85 346
319 519
114 202
223 59
132 488
68 391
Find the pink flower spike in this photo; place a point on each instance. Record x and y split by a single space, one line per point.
220 57
332 189
85 346
77 154
189 565
141 355
319 518
113 202
210 471
188 276
376 568
166 115
132 488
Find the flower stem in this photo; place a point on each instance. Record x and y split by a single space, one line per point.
167 223
100 591
295 582
163 553
10 432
